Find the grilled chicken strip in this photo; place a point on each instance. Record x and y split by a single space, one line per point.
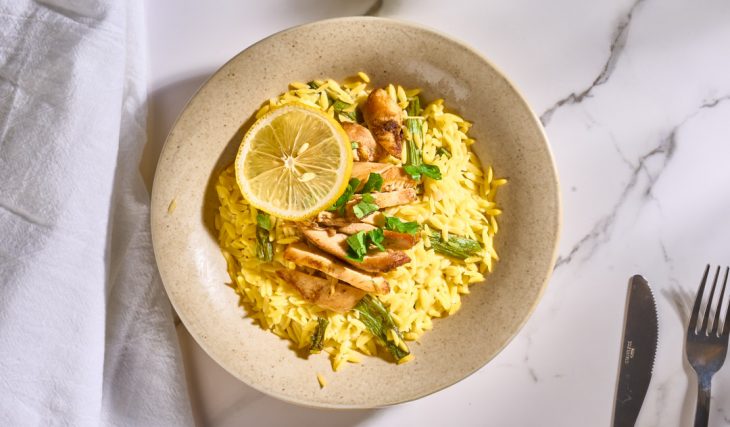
389 198
317 291
337 246
356 227
393 239
384 119
376 218
383 200
394 177
331 219
305 256
367 149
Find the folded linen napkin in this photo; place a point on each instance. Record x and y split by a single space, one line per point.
86 331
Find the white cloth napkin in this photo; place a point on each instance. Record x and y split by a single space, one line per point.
86 334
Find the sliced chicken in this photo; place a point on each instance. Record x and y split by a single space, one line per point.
331 219
396 240
355 227
376 218
305 256
394 177
389 198
337 246
319 291
393 239
384 119
383 200
367 149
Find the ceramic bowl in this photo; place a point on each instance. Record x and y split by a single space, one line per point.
207 134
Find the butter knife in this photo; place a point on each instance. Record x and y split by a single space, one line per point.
638 348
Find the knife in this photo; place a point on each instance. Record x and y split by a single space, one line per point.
638 349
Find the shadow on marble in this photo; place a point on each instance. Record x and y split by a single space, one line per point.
218 399
682 302
314 10
164 105
167 102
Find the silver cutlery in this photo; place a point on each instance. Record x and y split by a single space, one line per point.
707 344
638 349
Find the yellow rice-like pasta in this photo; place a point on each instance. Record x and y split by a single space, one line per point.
463 203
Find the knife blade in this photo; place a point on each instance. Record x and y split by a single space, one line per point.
638 348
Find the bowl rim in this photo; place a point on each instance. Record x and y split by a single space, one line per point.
156 201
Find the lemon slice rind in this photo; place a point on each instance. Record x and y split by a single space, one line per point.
308 178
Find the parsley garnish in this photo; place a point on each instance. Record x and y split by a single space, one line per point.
431 171
358 243
395 224
376 238
365 206
374 183
339 205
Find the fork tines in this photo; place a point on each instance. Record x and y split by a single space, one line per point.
704 326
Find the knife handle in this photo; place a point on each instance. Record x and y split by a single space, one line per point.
704 388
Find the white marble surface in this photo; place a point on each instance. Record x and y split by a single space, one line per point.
635 96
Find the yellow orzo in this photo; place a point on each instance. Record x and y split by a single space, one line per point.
430 286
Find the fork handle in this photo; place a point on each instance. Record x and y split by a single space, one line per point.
702 413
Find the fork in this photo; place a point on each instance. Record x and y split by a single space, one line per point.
707 344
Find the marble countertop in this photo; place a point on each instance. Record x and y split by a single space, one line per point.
635 98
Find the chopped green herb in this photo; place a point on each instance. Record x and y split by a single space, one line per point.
354 144
376 238
357 247
340 106
431 171
317 340
395 224
415 129
339 205
264 247
374 183
413 171
378 321
441 151
365 206
456 246
359 243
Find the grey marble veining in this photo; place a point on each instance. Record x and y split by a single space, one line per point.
618 43
634 97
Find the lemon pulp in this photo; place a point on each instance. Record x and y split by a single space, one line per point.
294 162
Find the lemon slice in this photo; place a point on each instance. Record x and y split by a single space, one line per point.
294 162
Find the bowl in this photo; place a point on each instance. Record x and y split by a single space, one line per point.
207 134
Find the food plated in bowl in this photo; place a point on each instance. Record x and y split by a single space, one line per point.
205 142
392 250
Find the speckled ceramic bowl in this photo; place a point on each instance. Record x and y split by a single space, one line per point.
205 139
